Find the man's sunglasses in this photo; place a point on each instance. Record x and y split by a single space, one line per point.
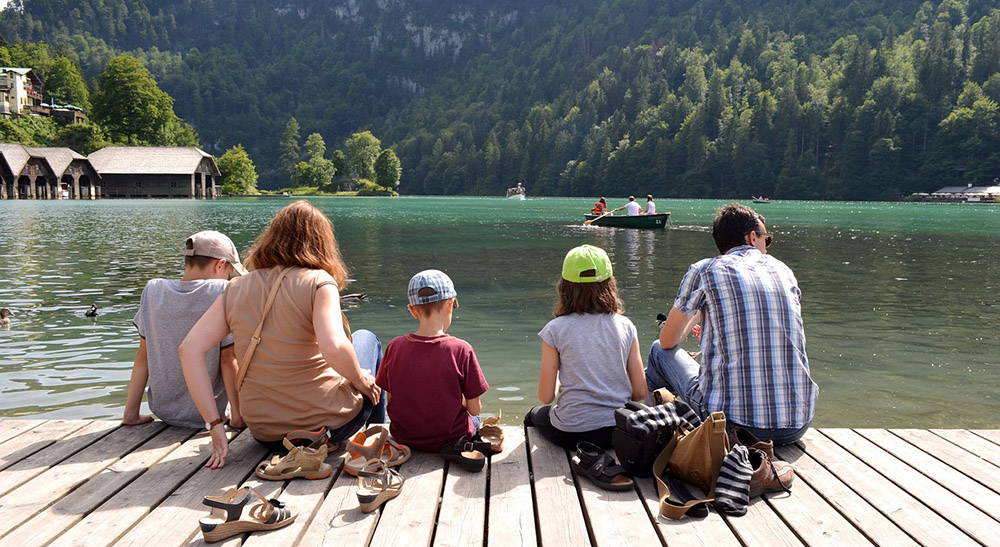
768 238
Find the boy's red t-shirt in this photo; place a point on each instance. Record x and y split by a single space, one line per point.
426 378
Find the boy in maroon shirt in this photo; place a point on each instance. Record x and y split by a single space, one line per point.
433 379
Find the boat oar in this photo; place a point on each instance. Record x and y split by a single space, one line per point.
591 221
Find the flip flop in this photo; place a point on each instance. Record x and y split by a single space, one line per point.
267 514
301 461
595 464
491 432
377 484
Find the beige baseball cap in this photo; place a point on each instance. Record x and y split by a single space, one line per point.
214 245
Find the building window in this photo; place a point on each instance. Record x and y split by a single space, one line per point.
173 184
138 184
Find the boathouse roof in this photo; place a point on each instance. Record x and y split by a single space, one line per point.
58 159
15 156
150 160
969 190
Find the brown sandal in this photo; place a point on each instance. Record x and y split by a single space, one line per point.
491 432
300 461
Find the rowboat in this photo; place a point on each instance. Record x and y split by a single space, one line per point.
760 199
657 221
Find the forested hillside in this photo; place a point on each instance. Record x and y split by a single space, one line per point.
720 98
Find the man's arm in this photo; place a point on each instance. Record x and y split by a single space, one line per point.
676 327
229 369
136 385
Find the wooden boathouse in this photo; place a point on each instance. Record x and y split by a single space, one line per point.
45 173
156 171
84 482
115 171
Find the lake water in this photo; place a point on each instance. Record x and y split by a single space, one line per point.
900 300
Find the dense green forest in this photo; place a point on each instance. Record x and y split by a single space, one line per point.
712 98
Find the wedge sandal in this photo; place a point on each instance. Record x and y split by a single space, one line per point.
595 464
491 432
468 453
226 518
300 462
377 484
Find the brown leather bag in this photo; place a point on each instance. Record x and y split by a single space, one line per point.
694 457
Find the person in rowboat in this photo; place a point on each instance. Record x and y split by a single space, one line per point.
600 207
632 208
650 205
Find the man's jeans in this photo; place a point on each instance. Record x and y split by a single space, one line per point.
677 371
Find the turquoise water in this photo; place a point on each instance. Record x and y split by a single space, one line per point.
899 299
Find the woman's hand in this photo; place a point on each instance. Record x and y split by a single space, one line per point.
367 386
220 448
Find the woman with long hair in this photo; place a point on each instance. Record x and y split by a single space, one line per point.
305 373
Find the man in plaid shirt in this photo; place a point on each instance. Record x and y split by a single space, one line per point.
744 305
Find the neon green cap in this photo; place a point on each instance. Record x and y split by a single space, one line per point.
586 258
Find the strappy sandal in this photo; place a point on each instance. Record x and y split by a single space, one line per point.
469 453
374 444
595 464
267 514
377 484
300 461
312 439
491 432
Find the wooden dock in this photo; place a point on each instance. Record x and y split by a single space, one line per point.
99 483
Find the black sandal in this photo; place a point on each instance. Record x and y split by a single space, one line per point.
595 464
469 453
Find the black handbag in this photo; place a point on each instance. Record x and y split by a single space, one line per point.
637 452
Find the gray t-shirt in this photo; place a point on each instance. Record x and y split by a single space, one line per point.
167 311
593 351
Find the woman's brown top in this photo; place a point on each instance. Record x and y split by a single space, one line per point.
289 384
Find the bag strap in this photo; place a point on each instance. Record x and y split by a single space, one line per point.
668 508
255 339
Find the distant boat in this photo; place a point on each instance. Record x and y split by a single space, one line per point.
761 199
515 193
655 222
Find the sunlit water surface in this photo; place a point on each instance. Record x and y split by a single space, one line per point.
899 300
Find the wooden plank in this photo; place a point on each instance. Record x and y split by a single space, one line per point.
175 520
710 531
338 521
511 508
35 440
861 514
409 518
10 428
37 463
811 518
462 516
977 442
33 496
560 514
762 525
992 435
305 496
109 522
957 482
954 455
916 519
50 523
616 518
956 510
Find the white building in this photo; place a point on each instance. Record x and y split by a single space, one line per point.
20 92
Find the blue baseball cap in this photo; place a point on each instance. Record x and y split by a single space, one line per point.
430 286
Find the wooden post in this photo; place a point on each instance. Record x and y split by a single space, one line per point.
192 186
76 186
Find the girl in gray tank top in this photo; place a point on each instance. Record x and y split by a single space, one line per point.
590 355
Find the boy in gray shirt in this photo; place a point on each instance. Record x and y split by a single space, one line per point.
167 311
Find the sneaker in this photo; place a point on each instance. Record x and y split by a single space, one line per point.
769 475
743 437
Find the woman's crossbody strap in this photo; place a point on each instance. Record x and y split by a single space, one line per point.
255 339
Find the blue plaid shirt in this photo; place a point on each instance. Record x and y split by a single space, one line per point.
754 364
